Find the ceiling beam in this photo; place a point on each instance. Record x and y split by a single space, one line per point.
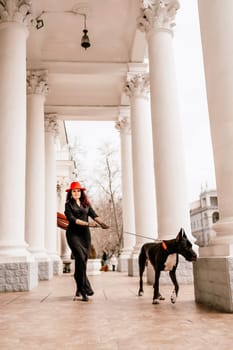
85 113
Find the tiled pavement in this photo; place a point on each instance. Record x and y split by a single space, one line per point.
115 318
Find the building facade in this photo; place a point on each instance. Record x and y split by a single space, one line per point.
203 214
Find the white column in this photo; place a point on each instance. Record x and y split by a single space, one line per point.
37 87
13 36
213 277
63 183
171 189
17 265
35 170
51 130
123 125
137 88
216 23
64 171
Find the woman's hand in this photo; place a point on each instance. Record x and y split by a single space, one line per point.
104 226
101 223
92 224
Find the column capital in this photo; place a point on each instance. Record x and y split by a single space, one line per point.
51 124
62 184
37 82
157 15
123 124
16 11
137 85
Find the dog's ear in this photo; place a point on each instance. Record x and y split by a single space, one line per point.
181 235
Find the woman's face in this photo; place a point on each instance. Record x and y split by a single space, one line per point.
76 194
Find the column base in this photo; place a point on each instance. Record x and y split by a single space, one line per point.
45 270
45 265
93 267
57 264
18 275
184 273
133 268
57 267
213 282
123 260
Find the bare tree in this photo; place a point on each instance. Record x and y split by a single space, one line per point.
109 203
78 153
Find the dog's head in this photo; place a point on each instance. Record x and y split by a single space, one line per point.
184 246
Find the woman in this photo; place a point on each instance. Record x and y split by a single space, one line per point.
77 211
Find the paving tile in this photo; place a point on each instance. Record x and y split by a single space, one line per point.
115 318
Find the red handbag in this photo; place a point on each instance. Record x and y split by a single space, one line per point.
62 221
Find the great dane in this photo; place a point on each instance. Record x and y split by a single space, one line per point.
164 257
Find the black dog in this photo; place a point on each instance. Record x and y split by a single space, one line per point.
164 257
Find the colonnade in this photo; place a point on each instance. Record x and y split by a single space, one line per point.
213 272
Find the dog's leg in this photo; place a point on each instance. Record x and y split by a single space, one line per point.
142 263
174 294
156 295
160 297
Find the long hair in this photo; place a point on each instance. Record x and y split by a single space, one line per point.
83 199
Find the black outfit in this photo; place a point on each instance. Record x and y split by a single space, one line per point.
79 241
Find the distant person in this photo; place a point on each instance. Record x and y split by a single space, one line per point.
77 210
113 262
104 258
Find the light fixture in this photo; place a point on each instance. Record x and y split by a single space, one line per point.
39 23
85 42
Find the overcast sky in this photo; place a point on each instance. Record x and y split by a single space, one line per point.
193 101
193 107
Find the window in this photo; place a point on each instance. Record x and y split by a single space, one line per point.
205 220
215 217
203 202
214 201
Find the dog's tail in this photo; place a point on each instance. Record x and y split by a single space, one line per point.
142 260
142 263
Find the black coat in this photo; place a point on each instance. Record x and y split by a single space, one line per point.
74 212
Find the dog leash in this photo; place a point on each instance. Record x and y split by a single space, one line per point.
147 237
164 246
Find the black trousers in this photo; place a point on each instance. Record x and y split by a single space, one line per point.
80 250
